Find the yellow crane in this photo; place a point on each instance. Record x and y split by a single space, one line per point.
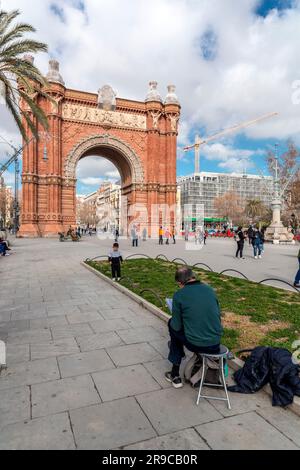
199 142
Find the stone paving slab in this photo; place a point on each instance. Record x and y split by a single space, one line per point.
62 311
133 354
283 420
62 395
157 369
124 382
161 345
48 322
109 314
139 335
110 425
54 348
98 341
14 326
188 439
84 363
17 353
28 373
49 433
103 326
69 331
172 409
29 336
83 317
28 315
5 316
14 406
241 403
247 431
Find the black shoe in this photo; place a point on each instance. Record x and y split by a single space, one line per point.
175 381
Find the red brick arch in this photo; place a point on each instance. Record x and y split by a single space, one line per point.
114 149
138 137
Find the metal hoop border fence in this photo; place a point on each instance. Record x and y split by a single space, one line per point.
234 271
138 255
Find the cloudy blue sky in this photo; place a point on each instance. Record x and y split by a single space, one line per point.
231 61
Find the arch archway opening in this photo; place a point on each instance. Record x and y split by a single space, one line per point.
100 176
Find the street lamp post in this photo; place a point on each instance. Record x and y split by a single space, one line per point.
277 232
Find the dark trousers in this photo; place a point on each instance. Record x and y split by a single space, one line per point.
116 270
135 242
297 278
239 249
161 242
178 341
174 240
3 248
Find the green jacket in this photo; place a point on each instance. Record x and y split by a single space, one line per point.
196 310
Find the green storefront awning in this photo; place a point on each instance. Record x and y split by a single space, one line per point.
206 219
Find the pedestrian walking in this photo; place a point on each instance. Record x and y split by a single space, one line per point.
167 236
115 259
297 278
257 242
144 234
186 234
160 236
197 236
240 239
250 234
134 237
173 235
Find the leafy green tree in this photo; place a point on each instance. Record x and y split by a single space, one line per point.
19 77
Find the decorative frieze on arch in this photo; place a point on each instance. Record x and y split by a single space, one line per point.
106 141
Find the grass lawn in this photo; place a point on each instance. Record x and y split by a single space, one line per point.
252 314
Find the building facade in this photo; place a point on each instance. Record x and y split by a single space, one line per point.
108 207
6 205
204 187
102 208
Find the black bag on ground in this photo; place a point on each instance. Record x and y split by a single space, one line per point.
269 365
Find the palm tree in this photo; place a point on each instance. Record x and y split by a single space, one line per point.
254 208
19 78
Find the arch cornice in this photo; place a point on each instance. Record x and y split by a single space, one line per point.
104 141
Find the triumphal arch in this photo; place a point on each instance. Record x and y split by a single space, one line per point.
139 137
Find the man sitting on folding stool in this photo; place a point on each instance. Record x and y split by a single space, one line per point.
195 322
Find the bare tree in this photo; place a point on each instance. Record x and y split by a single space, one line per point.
230 206
287 166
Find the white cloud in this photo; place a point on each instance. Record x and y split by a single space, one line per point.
230 158
93 171
91 181
128 43
9 178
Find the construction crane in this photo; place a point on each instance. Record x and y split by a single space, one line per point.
14 158
11 159
199 142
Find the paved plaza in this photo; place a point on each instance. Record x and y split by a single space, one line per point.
86 364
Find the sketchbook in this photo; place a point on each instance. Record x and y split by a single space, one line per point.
169 303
